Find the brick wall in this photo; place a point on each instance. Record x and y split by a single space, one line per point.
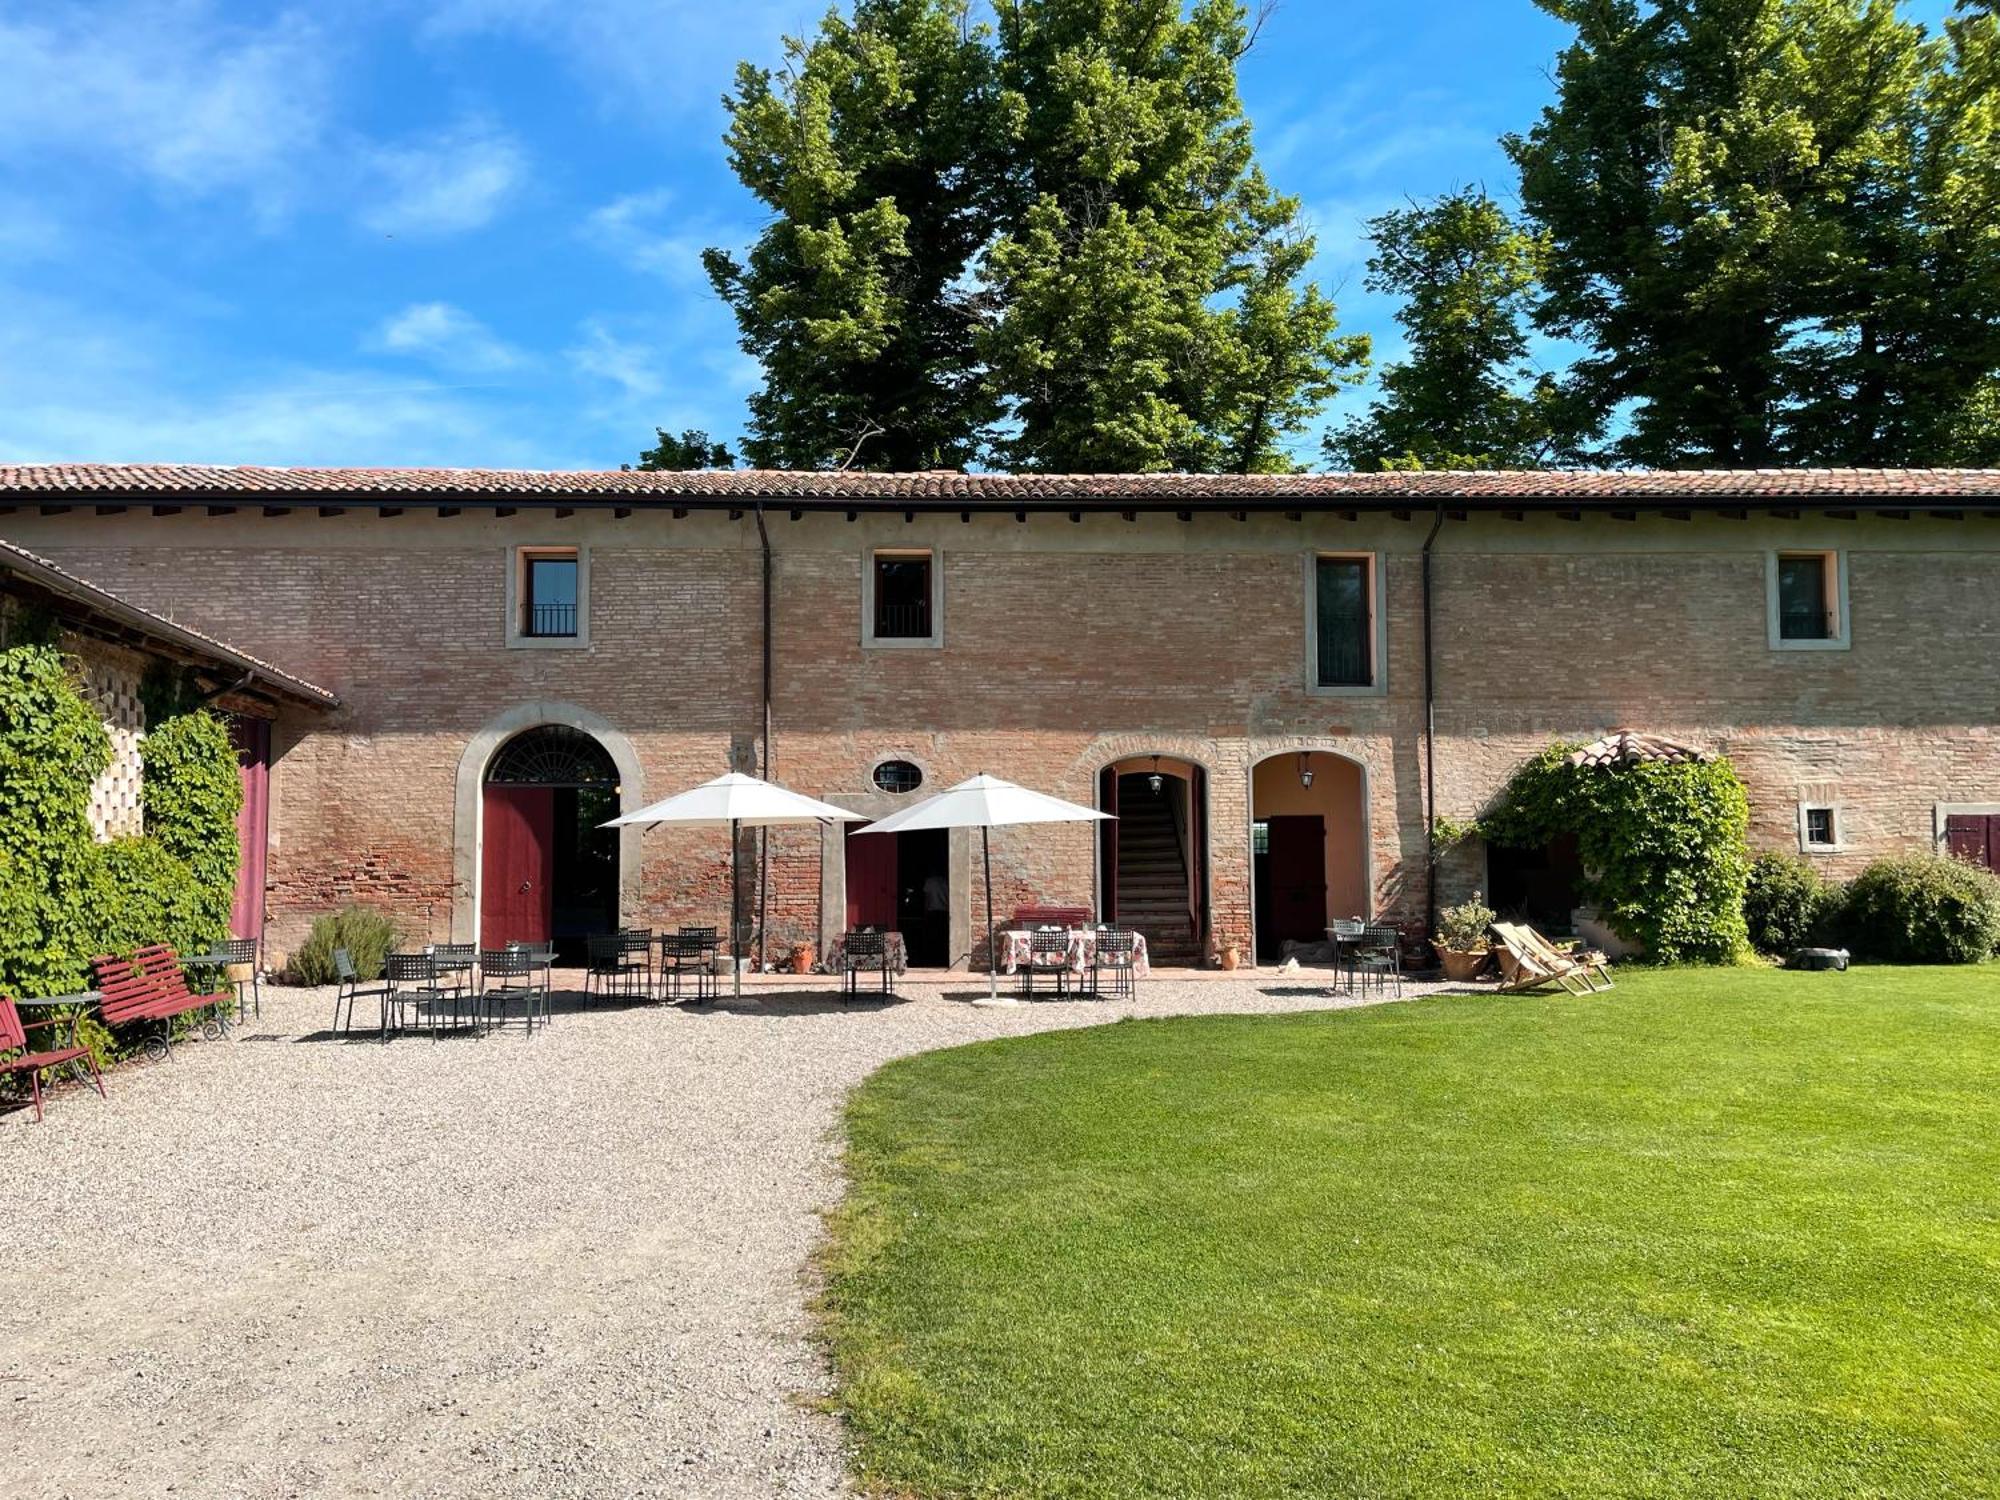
1067 646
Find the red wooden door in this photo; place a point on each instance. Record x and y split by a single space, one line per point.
1974 837
518 866
871 880
252 738
1296 871
1107 833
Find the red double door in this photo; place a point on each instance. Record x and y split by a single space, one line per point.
517 868
1974 837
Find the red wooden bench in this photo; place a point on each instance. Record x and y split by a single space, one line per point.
14 1033
149 986
1032 917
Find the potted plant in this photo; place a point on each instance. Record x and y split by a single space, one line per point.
1461 939
801 958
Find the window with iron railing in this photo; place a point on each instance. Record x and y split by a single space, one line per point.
1343 618
903 609
549 596
1806 598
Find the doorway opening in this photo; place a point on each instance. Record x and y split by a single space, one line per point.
1308 848
1152 871
549 871
1538 885
902 883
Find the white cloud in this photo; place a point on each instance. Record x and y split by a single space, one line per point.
169 89
631 230
454 181
661 56
629 366
445 335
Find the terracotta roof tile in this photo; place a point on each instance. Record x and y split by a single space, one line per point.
218 483
1624 747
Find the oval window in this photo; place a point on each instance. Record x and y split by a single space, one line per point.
898 776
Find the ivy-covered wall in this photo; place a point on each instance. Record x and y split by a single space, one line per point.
64 896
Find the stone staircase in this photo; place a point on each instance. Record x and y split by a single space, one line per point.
1152 880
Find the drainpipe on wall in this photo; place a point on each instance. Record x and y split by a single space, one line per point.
1430 742
764 835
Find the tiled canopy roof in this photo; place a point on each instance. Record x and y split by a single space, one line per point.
1623 747
103 605
48 483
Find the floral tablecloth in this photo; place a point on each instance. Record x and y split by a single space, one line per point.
893 949
1014 944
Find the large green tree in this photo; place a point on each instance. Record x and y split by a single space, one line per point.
1043 240
878 149
1769 226
1466 395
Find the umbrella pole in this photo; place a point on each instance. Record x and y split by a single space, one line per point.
992 954
736 904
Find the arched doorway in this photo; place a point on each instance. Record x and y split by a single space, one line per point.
1308 847
1152 872
548 870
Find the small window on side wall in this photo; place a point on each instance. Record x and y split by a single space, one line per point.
1343 623
900 604
1808 601
1819 828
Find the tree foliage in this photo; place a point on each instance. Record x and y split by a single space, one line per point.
1467 395
1771 225
1664 847
693 449
1042 240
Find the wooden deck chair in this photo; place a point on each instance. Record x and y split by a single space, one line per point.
1594 971
1524 968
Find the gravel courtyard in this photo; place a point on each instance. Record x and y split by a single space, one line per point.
293 1264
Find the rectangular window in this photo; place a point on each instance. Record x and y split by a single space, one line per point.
1344 622
1819 828
548 594
901 599
1806 610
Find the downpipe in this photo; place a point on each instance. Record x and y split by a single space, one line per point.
1430 738
764 835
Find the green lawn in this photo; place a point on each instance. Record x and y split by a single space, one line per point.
1716 1233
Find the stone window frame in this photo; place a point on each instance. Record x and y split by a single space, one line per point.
871 641
1378 622
1808 806
1835 559
517 574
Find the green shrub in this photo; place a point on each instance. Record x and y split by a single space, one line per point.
1664 846
367 935
193 792
1922 909
1462 928
1786 903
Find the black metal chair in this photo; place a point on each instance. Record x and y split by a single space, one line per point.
411 980
1117 956
635 945
1378 954
236 951
1048 953
1344 933
349 986
452 964
507 974
605 971
685 956
864 953
542 967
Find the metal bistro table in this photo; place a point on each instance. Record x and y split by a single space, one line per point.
221 959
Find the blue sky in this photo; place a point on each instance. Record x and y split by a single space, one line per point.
466 233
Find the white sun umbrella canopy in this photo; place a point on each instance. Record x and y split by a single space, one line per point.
985 802
736 802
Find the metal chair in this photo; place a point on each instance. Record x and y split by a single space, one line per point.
1048 953
453 964
1378 952
861 953
505 974
236 951
349 987
1344 933
1116 955
635 944
411 983
605 970
686 956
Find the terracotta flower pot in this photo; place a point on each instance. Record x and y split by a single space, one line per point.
801 958
1229 957
1461 967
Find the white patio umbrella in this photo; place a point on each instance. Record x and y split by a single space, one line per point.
736 802
985 802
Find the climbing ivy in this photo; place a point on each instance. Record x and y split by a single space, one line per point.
192 793
1665 848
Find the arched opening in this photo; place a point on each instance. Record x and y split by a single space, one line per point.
1152 861
1309 847
548 869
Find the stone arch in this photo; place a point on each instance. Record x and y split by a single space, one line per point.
1190 763
468 805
